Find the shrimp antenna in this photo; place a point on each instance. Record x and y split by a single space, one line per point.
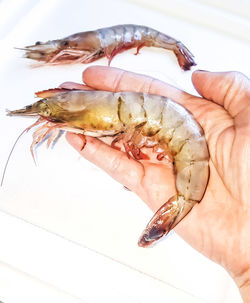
8 159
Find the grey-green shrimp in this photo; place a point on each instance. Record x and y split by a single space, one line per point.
136 120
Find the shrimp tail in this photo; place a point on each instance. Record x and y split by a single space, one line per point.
184 56
165 219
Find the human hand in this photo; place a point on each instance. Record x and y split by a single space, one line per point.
219 226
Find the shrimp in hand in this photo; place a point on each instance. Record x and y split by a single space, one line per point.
136 120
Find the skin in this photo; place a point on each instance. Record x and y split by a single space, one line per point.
219 226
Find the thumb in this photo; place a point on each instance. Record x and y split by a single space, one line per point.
228 89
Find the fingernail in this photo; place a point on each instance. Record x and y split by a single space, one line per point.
67 85
202 71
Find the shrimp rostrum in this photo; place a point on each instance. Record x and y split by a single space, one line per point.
136 120
89 46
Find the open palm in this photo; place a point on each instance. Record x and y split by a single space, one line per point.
219 226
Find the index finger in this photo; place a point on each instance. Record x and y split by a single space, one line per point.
114 79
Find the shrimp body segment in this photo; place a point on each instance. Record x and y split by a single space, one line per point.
89 46
137 120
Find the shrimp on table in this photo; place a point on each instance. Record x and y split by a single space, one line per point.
89 46
136 120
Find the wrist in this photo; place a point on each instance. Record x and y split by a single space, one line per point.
243 283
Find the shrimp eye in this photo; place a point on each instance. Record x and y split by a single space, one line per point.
38 43
65 43
46 112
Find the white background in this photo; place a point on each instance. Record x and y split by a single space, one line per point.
68 232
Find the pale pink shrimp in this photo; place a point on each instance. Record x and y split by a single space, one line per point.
89 46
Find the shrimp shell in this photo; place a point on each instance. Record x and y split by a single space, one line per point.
137 120
89 46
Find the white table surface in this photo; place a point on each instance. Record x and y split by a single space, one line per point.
67 230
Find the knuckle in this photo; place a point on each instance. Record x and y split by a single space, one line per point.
235 78
116 163
147 86
118 81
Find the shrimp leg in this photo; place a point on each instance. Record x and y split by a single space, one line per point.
166 218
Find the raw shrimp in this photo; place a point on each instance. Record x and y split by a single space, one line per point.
89 46
136 120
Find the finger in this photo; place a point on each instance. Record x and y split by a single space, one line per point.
114 79
73 85
228 89
126 171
